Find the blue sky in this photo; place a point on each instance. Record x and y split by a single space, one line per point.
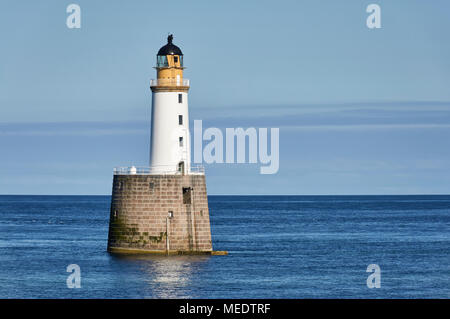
360 111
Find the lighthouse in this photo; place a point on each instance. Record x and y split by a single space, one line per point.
170 138
163 208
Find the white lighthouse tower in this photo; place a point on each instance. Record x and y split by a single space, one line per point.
170 137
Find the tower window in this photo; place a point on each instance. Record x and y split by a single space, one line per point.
180 119
181 167
180 98
175 59
181 141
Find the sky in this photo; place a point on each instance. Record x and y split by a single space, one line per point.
360 111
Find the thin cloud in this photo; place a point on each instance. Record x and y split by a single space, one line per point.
93 132
73 129
262 111
365 127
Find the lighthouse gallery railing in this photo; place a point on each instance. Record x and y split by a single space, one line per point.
157 170
169 82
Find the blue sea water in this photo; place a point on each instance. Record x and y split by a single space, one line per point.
279 247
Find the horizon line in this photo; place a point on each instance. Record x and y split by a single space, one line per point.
435 194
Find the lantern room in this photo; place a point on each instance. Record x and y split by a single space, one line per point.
169 61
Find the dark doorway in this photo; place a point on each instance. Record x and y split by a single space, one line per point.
187 196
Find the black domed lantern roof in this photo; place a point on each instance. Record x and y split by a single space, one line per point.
170 48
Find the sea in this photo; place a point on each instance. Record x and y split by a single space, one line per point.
279 247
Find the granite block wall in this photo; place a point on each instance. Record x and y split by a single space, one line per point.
139 209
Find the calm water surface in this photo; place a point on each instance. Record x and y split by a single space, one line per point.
279 247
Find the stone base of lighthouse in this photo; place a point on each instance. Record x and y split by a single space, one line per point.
159 214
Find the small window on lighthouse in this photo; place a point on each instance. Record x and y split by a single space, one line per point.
181 141
180 119
180 98
175 59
